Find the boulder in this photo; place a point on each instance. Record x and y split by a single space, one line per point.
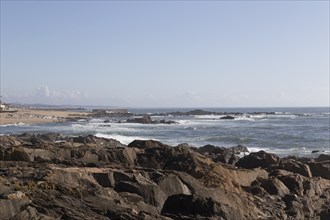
211 149
258 159
20 154
141 144
321 169
295 166
222 154
191 205
323 157
275 187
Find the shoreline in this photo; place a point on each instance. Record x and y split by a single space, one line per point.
36 116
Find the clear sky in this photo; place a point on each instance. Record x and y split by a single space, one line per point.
166 53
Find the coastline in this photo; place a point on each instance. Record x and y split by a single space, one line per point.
36 116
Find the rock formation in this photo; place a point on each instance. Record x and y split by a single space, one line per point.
52 176
146 119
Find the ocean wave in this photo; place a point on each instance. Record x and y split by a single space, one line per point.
121 138
207 116
14 124
245 118
96 120
282 152
190 128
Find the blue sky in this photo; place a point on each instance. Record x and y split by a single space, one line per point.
166 53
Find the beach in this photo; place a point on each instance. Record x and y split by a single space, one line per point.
37 116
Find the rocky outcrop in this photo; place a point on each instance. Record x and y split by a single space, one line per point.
222 154
146 119
258 159
52 176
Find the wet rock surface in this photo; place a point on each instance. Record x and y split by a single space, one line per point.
52 176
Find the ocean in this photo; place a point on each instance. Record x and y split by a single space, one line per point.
286 131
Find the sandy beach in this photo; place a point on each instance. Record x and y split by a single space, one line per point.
34 116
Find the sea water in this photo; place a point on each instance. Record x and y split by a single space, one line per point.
288 131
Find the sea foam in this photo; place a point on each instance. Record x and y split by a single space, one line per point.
121 138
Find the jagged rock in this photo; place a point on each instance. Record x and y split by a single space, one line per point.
30 213
146 119
11 204
103 179
221 154
147 144
323 157
321 169
295 166
190 205
19 154
52 176
227 158
8 141
275 187
258 159
211 149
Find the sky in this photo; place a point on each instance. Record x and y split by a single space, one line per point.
166 53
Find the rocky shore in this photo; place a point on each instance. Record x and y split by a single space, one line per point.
52 176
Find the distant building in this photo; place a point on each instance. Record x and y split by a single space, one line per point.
3 107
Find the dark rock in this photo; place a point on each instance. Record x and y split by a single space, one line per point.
325 214
321 169
227 117
211 149
258 159
293 182
295 166
147 144
103 179
323 157
20 154
144 120
190 205
104 126
274 187
221 154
